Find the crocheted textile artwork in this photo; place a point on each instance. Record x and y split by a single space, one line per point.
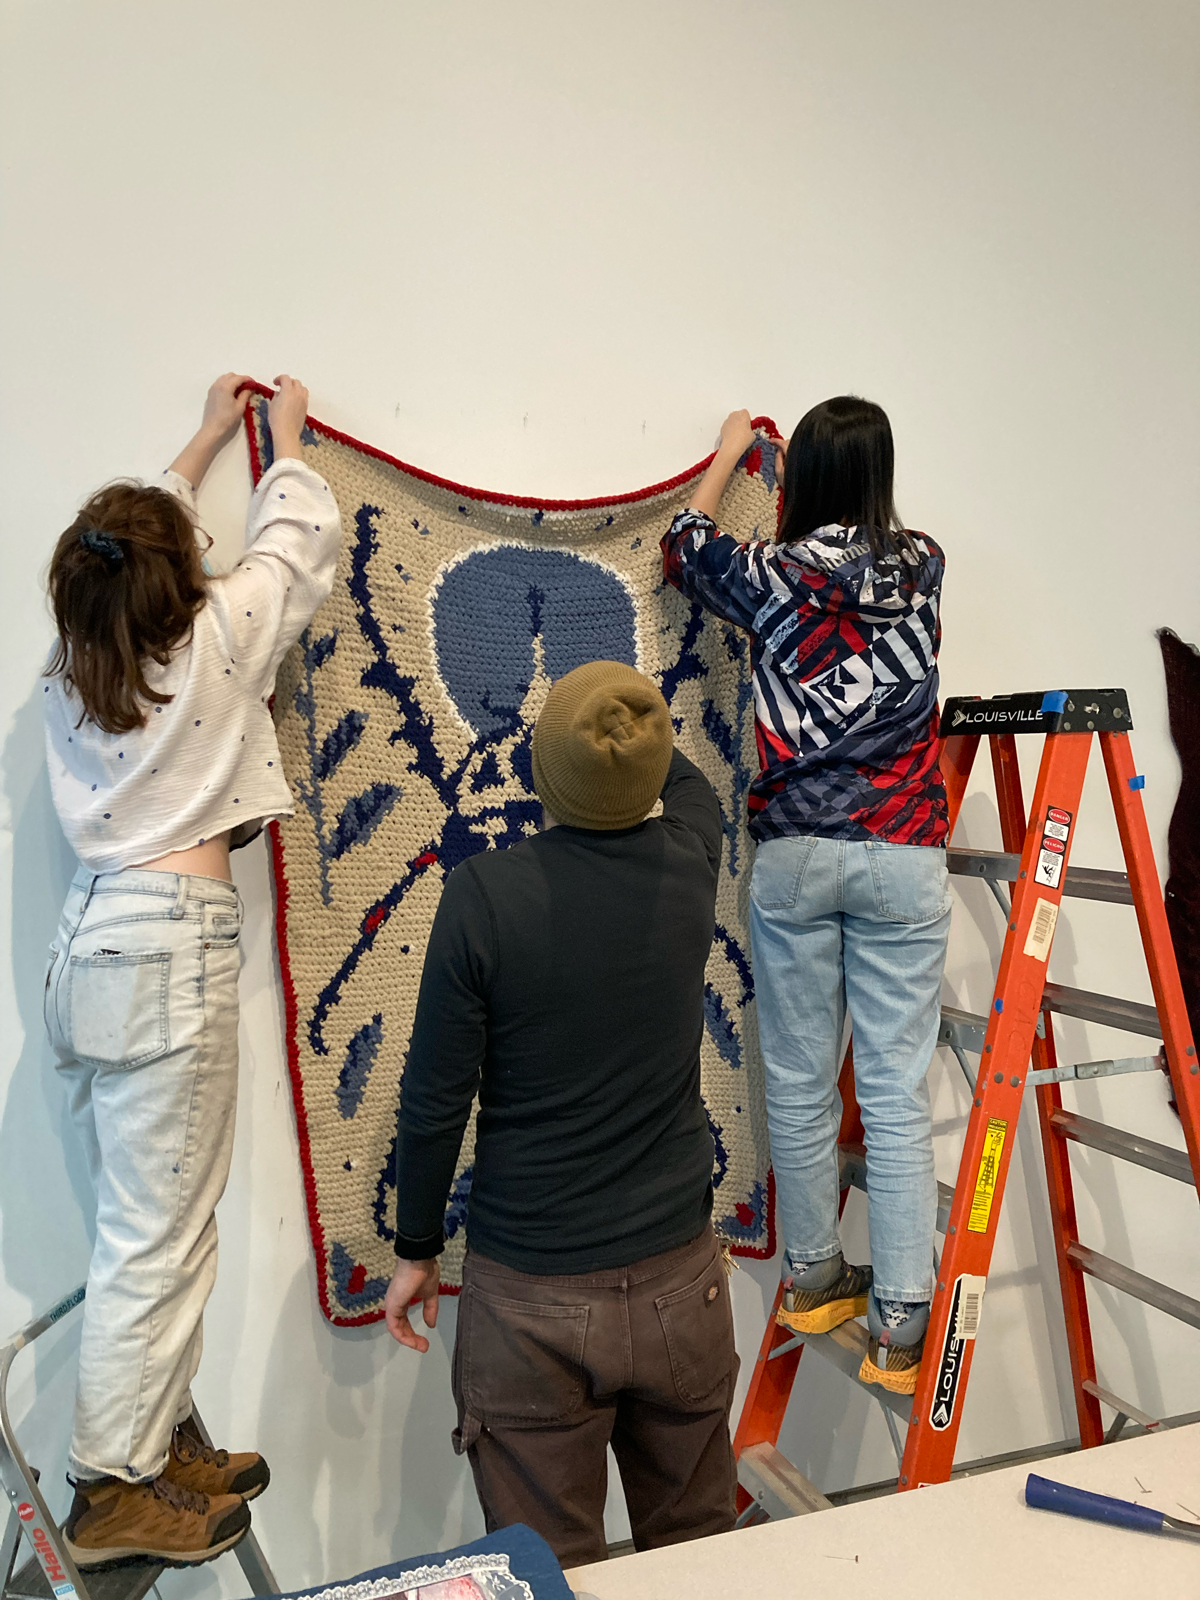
1181 663
404 717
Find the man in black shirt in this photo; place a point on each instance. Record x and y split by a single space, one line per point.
564 981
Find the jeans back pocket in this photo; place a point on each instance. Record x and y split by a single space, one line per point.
522 1361
117 1008
912 883
778 873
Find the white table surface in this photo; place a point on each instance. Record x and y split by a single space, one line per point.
952 1541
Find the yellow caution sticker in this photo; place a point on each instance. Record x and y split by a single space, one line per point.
989 1171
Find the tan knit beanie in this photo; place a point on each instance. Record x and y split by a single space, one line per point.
601 747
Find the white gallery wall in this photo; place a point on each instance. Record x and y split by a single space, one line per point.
544 247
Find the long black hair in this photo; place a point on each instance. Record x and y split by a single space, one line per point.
839 469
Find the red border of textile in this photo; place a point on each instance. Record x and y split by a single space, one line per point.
279 865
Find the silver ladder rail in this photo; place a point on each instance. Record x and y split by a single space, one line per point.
50 1571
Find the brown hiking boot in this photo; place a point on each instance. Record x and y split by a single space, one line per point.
892 1366
112 1521
819 1310
195 1465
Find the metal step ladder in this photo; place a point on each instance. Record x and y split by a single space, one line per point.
1016 1048
49 1573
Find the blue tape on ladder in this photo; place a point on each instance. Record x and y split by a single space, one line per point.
999 1005
1137 783
1054 700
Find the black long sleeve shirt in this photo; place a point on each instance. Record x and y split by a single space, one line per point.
564 980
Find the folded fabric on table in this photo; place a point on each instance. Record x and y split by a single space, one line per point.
513 1564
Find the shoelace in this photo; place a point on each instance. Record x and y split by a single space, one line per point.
179 1498
189 1449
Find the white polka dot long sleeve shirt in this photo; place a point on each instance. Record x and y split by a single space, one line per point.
208 762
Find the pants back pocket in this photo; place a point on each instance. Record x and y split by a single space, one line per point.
118 1008
697 1323
522 1361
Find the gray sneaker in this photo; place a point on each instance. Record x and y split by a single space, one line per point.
816 1310
893 1358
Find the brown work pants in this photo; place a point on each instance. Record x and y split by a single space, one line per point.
548 1371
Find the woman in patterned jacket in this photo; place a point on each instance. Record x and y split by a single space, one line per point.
849 903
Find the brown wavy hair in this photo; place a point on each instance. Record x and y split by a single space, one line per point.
125 585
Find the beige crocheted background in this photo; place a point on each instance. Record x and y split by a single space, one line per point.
404 716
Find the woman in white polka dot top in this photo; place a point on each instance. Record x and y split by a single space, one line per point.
162 758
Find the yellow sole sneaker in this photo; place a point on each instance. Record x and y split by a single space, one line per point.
822 1318
902 1380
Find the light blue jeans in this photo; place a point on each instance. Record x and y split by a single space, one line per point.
863 924
141 1005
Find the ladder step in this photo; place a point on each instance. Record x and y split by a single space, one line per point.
1122 1407
1095 883
1084 1071
965 1030
118 1583
1128 1146
852 1170
1003 866
845 1347
1172 1301
962 1030
781 1489
1128 1015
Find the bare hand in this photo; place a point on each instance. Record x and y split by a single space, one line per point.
736 434
287 410
225 407
412 1280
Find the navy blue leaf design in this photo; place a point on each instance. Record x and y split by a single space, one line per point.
360 1058
319 652
361 816
338 743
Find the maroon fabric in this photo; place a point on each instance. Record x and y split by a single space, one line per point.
1182 665
548 1371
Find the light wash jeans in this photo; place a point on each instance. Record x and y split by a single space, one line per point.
142 1010
864 924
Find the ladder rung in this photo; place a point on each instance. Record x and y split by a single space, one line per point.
1096 883
962 1030
1173 1301
1085 1071
846 1346
852 1169
1122 1407
1128 1146
1128 1015
1002 866
965 1030
781 1489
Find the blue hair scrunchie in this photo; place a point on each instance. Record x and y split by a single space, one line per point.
103 544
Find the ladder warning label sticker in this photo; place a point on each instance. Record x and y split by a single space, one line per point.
1041 929
989 1170
1049 868
1052 852
968 1304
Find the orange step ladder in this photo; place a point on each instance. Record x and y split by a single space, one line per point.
1015 1044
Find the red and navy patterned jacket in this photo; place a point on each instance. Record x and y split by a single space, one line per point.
844 656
